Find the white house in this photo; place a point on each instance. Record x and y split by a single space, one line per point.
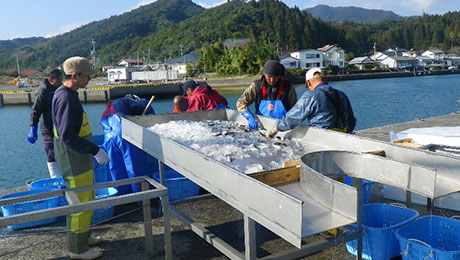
437 55
309 58
333 56
289 62
360 62
400 62
130 63
180 63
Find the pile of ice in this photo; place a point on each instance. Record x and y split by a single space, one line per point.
230 143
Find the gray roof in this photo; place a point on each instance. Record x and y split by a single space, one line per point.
187 58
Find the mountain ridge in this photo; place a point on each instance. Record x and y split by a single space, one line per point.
351 14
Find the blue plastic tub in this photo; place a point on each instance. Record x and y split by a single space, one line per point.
178 186
431 238
23 207
107 212
367 188
379 224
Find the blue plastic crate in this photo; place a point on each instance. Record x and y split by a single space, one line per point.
23 207
51 183
178 186
431 238
58 183
367 188
102 214
379 224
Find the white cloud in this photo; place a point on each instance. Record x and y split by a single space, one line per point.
207 6
64 29
419 6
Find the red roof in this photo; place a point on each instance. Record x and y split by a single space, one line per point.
29 73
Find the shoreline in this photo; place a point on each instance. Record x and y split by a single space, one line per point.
99 92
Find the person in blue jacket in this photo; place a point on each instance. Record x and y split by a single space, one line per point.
126 159
323 106
272 95
41 110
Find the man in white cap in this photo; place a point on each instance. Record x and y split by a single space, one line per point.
74 152
322 105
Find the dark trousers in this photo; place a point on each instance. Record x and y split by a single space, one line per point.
49 146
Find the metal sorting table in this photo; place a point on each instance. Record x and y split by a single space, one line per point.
76 206
313 204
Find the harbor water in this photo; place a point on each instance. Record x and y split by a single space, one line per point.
376 102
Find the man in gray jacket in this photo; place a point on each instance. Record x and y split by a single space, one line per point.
323 106
42 109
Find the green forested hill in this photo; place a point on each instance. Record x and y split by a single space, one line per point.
140 22
166 27
351 14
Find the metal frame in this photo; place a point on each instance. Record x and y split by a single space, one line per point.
76 206
283 217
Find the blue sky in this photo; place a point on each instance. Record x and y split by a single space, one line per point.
26 18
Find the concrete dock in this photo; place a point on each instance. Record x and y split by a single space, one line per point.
124 235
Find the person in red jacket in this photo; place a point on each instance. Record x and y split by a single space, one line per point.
205 98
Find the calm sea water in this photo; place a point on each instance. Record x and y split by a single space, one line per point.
375 103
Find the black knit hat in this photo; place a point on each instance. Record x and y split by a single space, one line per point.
273 68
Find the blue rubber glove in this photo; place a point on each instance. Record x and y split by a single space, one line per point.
252 123
32 137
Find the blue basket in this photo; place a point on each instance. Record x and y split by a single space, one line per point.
178 186
107 212
431 238
23 207
379 224
367 188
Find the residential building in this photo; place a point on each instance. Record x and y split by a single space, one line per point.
452 60
180 63
400 63
289 62
130 63
333 56
360 62
309 58
437 55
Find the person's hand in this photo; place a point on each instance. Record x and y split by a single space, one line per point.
32 137
102 157
270 134
252 123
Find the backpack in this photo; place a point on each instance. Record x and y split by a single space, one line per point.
344 112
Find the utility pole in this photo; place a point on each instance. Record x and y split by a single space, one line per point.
93 52
149 55
375 49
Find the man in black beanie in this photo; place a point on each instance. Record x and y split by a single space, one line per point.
272 95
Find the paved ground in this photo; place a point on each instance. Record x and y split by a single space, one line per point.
125 236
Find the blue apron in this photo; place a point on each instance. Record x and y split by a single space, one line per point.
272 108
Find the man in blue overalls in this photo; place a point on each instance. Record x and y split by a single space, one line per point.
272 95
126 159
